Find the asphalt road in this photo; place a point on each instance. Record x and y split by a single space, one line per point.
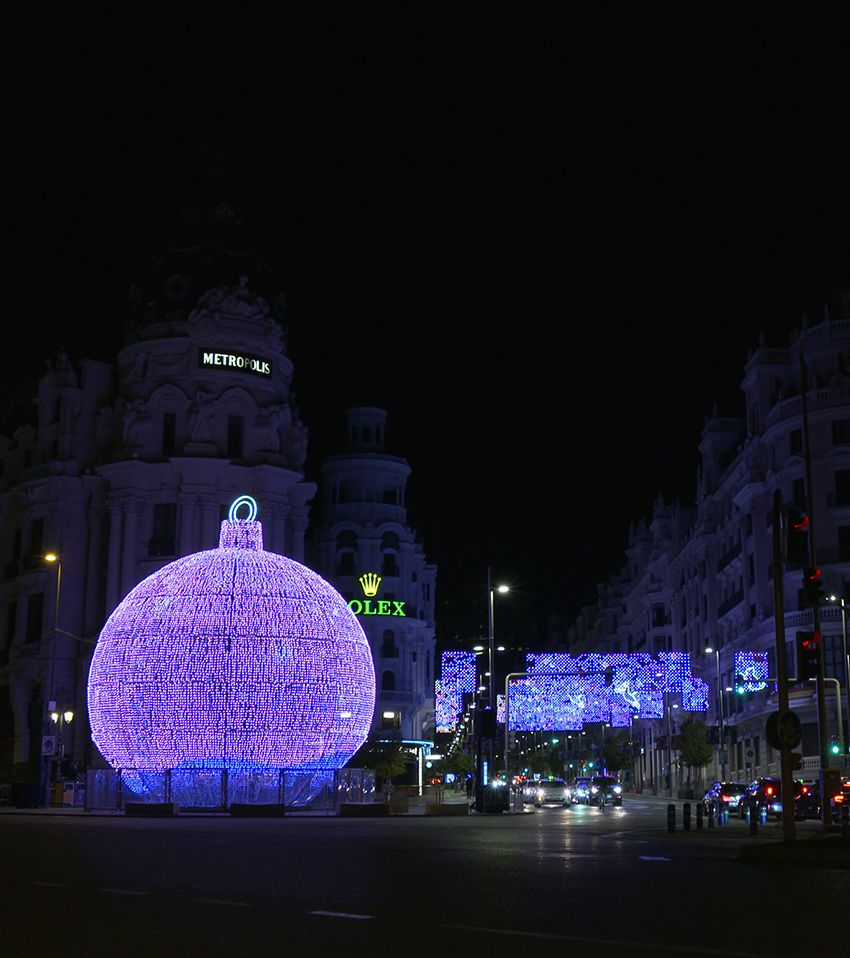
553 881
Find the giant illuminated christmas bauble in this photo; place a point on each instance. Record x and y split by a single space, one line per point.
232 658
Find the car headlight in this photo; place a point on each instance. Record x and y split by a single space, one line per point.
617 790
594 790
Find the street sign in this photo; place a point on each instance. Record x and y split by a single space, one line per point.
48 745
789 729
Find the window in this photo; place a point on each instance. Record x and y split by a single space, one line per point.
389 649
11 622
798 493
164 539
843 543
35 617
840 431
842 487
796 441
388 681
37 537
235 436
169 433
346 552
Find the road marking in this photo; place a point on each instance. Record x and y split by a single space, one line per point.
653 947
340 914
223 901
50 884
121 891
654 858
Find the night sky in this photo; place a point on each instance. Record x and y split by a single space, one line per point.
545 244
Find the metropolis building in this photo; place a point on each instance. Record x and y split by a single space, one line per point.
701 577
127 466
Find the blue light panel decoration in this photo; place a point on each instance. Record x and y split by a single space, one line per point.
752 667
457 675
232 658
562 692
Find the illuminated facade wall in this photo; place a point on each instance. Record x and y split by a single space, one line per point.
231 658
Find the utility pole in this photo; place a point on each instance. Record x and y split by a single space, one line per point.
786 772
823 729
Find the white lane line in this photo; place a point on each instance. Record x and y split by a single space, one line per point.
654 858
340 914
223 901
121 891
653 947
50 884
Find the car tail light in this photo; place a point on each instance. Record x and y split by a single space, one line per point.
804 791
769 790
726 798
839 798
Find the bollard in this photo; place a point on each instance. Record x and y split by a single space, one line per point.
711 816
845 822
752 817
671 818
686 816
700 811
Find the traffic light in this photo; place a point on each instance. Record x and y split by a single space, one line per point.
740 685
813 593
834 746
796 535
808 655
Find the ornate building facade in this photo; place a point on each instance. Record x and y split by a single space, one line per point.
366 548
701 577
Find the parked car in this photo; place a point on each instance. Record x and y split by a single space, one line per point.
605 788
839 800
580 790
551 791
529 791
762 797
723 795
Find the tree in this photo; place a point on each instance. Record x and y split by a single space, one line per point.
384 756
692 744
459 763
616 754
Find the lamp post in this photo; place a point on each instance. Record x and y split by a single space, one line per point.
846 661
49 702
491 650
721 754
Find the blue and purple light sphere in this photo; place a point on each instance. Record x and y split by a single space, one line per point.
232 658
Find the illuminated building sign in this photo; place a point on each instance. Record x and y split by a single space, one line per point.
209 358
369 582
752 668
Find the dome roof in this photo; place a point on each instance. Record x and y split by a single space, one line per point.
232 658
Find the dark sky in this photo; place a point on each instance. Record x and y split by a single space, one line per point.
544 244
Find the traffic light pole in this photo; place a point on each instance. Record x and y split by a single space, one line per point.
786 772
823 728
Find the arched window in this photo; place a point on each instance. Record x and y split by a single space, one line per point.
388 681
346 553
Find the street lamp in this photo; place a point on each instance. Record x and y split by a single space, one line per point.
49 701
491 683
843 608
721 754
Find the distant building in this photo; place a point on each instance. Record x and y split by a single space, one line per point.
366 548
701 576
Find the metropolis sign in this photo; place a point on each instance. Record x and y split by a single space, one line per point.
369 582
209 358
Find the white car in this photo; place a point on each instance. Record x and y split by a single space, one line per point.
552 791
